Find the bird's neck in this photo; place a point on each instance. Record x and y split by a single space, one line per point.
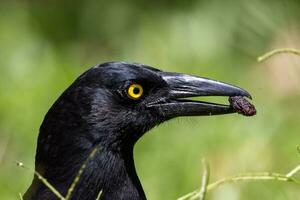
65 142
111 173
114 174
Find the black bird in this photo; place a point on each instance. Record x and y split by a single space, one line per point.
111 106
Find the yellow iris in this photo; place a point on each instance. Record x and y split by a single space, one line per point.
135 91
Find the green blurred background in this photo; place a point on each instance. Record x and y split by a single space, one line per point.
45 45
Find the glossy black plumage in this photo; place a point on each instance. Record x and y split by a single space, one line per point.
95 111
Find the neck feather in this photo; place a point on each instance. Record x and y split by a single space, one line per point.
111 172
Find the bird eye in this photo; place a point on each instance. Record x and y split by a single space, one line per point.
135 91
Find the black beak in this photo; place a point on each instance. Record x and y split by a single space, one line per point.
181 86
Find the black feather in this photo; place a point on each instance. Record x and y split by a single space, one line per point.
93 111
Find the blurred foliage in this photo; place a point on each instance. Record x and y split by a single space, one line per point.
45 45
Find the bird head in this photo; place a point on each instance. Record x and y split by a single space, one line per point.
112 105
121 101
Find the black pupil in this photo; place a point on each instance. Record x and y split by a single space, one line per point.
136 90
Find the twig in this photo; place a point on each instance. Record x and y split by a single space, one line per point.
277 51
41 178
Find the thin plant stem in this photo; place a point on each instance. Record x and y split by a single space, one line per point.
261 176
293 171
188 196
253 177
74 183
20 196
81 170
204 183
99 195
277 51
44 181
